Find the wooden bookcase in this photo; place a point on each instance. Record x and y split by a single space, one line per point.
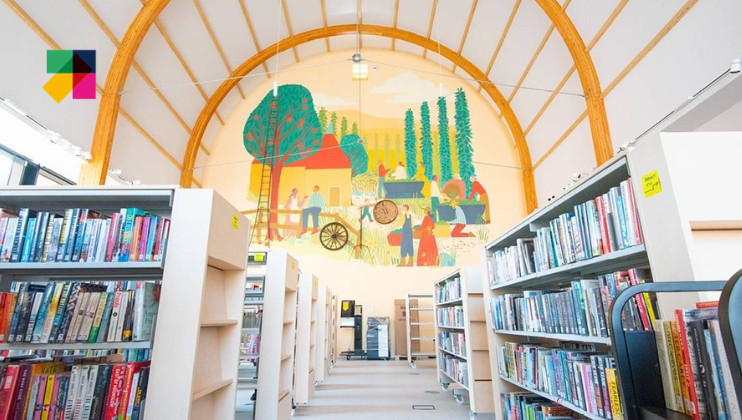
306 339
277 341
324 308
333 329
195 364
478 382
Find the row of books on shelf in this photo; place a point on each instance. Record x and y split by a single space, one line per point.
108 389
250 344
125 355
696 377
82 235
573 373
597 227
527 405
453 342
455 368
448 290
73 312
450 316
581 309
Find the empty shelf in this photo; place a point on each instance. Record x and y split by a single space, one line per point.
211 388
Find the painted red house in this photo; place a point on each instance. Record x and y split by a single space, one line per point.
329 168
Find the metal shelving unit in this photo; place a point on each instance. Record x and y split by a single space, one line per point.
412 356
248 371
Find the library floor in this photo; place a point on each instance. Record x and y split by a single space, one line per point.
376 390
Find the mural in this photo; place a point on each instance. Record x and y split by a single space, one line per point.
317 165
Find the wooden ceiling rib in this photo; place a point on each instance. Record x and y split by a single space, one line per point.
394 22
629 67
288 27
535 55
430 25
28 20
215 41
501 41
253 34
324 23
359 13
607 24
466 31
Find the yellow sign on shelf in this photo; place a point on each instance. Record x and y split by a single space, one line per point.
651 184
235 222
260 257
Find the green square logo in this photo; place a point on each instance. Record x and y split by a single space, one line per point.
59 61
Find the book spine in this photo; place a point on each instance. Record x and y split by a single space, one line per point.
51 313
86 324
143 239
163 244
82 392
664 362
113 233
47 238
104 323
126 233
78 314
688 364
95 328
100 390
72 392
42 227
88 400
24 384
122 316
9 388
64 235
83 238
9 239
20 233
56 238
47 401
113 400
73 235
136 233
37 299
613 390
69 312
60 312
704 393
90 232
43 311
28 240
114 322
129 317
732 403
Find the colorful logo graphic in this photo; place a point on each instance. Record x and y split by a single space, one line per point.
74 70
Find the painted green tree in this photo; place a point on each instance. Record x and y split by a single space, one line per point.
343 127
353 148
298 135
334 122
410 144
354 130
322 119
464 149
444 145
426 142
387 150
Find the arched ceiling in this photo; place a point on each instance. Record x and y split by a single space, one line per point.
513 42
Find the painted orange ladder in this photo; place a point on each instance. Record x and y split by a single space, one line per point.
263 211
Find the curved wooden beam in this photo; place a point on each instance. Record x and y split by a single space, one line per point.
588 77
105 127
256 60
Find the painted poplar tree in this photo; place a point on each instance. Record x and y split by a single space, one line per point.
387 150
322 117
426 142
444 144
343 127
410 144
354 130
334 122
353 148
464 149
298 136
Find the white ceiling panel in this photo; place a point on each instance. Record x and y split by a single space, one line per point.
162 66
22 83
588 16
551 65
116 14
414 15
555 122
228 23
264 15
151 114
190 37
450 20
253 80
339 11
526 33
311 48
210 134
378 12
485 30
574 85
198 172
304 15
342 42
407 47
504 89
83 34
230 102
445 63
574 156
527 103
372 41
285 59
131 149
639 22
466 78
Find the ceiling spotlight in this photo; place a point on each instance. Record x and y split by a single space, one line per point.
356 58
116 172
736 66
76 150
87 156
54 137
136 182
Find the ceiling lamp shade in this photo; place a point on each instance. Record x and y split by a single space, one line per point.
360 72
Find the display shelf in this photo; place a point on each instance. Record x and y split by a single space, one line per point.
635 256
63 270
476 355
550 397
306 336
196 356
333 329
415 335
560 337
278 335
322 350
76 346
110 198
449 302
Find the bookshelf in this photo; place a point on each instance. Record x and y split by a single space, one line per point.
306 339
56 200
554 277
195 362
276 368
324 312
464 297
333 329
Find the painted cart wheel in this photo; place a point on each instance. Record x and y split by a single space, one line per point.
333 236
